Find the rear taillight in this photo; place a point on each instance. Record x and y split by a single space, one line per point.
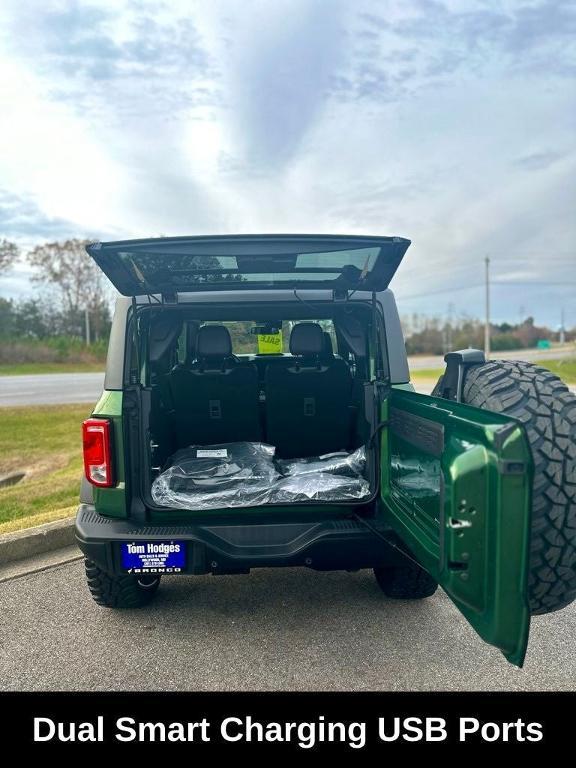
97 443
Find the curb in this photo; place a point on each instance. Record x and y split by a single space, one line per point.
36 541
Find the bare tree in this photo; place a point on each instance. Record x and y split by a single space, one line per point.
8 254
66 266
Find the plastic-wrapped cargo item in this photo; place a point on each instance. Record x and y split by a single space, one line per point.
338 463
216 464
318 486
241 495
213 474
288 490
246 475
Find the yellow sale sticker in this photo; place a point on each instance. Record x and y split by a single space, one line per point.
270 343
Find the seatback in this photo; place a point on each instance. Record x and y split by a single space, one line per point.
308 398
215 398
328 348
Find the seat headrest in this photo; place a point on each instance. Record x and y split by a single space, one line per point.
307 339
213 341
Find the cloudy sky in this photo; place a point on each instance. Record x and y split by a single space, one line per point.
450 122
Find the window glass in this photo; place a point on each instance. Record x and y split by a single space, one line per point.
182 269
251 337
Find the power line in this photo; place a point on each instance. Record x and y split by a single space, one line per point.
531 282
570 258
451 289
453 272
442 290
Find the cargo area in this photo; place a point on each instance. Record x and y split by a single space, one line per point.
240 475
270 407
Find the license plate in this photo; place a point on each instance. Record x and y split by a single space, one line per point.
153 556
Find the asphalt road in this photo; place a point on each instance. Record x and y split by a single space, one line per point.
270 630
51 388
533 355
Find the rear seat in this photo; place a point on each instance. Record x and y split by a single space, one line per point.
308 397
215 399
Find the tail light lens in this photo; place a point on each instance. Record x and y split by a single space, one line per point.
97 443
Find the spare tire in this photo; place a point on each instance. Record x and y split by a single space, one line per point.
547 409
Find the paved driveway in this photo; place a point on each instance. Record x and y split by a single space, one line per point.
276 629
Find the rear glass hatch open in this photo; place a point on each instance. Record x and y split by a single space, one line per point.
168 266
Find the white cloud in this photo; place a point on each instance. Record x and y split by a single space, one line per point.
451 123
50 154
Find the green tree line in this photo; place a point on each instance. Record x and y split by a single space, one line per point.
73 299
71 306
433 336
73 303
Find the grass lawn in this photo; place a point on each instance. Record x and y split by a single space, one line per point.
21 369
564 367
426 373
46 442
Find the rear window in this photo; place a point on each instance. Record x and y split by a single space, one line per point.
182 269
259 338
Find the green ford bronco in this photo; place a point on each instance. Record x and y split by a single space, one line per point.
257 412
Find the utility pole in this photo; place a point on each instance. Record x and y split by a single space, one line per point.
487 321
87 325
562 331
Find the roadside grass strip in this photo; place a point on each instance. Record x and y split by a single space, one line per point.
45 443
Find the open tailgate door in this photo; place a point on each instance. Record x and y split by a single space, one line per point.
457 491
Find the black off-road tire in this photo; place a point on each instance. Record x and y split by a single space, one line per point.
125 591
405 582
547 408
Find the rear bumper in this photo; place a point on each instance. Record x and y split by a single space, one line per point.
328 545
